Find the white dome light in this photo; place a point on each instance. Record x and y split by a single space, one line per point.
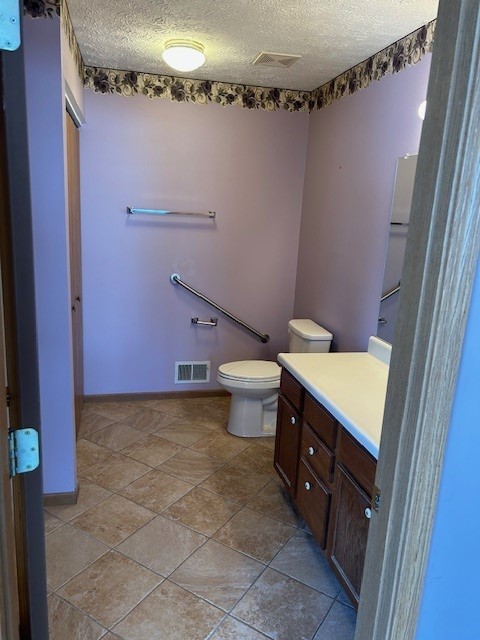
184 55
421 110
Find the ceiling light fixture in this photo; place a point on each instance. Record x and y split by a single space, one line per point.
184 55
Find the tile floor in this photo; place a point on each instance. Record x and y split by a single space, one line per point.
184 532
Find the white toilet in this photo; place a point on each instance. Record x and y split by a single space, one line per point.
254 384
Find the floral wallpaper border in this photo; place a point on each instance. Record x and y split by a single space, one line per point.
398 56
129 83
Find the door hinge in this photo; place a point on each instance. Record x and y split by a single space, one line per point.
8 397
10 25
376 498
23 451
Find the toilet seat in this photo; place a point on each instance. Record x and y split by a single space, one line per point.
251 371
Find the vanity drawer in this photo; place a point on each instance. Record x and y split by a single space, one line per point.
361 464
291 389
317 455
313 502
322 423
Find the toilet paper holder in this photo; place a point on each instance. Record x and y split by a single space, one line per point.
207 323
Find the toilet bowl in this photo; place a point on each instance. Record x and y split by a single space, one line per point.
254 384
254 387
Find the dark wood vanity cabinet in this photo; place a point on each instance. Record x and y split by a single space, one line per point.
331 477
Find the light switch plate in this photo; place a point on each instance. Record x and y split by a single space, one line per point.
9 25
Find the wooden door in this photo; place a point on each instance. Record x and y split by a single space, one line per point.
73 172
9 613
9 606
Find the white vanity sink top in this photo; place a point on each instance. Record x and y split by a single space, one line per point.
352 386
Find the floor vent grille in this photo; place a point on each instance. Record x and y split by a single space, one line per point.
192 372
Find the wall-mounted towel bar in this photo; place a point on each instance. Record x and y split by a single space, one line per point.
175 279
166 212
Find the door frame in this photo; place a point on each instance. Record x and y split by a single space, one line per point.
28 488
440 263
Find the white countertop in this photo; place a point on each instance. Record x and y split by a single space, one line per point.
352 386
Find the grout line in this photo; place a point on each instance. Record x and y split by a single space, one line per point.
87 615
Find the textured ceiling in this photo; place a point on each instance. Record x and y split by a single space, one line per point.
330 35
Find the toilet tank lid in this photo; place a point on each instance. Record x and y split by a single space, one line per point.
309 330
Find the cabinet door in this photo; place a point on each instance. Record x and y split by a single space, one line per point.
313 502
287 444
348 531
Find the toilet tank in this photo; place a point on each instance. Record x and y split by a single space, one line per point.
306 336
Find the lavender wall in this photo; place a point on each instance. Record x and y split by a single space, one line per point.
45 114
246 165
352 150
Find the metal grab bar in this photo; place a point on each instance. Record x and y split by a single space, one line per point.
175 279
390 292
166 212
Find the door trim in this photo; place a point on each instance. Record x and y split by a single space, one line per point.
442 253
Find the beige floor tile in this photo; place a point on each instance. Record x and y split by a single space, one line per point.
182 432
116 472
302 559
110 588
89 494
116 411
339 624
89 453
162 545
116 437
170 613
268 442
283 608
174 407
52 522
274 501
232 629
149 420
152 450
65 621
92 422
254 534
235 483
191 466
156 490
221 444
113 520
202 510
69 551
223 402
207 415
256 459
218 574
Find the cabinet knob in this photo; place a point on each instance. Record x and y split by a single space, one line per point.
368 513
308 486
311 450
293 420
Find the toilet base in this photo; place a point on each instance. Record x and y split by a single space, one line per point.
253 417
